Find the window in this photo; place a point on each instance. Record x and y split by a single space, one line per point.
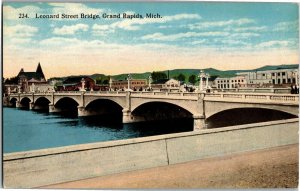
239 81
273 81
278 81
263 74
278 74
273 74
283 73
289 80
283 81
242 80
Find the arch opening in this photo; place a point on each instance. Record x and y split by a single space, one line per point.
13 102
104 110
67 107
240 116
41 104
25 103
164 115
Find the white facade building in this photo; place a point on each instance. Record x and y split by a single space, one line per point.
267 78
233 82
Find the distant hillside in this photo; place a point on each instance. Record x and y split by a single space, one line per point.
289 66
187 72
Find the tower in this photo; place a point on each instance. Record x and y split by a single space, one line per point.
39 71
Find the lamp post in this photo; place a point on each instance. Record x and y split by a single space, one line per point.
110 83
201 75
32 87
207 76
150 80
128 80
82 85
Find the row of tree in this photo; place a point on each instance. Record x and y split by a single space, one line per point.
180 77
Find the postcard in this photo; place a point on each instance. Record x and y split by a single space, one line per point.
150 95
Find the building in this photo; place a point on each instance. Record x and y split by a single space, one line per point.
74 84
272 78
135 84
166 84
27 79
232 82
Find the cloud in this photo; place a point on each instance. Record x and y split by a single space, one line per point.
287 26
199 41
247 29
134 24
70 30
232 42
173 37
205 25
276 44
11 13
19 31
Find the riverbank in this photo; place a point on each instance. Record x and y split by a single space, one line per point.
267 168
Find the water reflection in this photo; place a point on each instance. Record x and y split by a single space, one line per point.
29 130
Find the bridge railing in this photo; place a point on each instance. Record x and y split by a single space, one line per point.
256 96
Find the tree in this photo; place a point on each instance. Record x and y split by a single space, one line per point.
98 80
181 77
193 79
158 76
13 80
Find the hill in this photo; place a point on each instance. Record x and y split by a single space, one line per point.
187 72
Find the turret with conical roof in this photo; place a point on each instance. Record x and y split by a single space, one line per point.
39 71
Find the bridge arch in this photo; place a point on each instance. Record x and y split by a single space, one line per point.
41 103
37 98
160 110
212 108
60 99
67 106
106 109
93 100
13 101
25 99
190 108
25 102
239 116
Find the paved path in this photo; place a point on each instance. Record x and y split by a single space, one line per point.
276 167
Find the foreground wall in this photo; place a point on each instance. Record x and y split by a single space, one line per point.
50 166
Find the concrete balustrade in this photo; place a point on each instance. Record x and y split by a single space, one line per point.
56 165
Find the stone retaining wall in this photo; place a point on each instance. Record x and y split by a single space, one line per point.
62 164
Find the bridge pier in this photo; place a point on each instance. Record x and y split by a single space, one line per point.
82 111
31 105
53 109
18 104
129 118
199 122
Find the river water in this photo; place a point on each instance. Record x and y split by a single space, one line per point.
25 130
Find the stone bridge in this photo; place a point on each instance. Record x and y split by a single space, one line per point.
144 106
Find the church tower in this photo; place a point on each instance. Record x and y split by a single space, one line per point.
39 71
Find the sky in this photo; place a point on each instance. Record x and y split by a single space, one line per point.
221 35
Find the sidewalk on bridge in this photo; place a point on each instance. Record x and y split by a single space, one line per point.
268 168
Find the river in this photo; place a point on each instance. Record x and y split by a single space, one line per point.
25 130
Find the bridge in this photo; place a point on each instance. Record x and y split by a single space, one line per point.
147 106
